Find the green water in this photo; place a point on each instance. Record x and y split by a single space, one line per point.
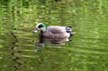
86 52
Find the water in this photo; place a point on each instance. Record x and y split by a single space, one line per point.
87 51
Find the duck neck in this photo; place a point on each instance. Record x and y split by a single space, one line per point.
41 37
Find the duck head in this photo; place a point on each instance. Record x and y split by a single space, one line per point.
40 27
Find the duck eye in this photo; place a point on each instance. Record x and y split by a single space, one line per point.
40 26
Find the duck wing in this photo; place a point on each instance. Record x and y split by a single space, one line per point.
54 38
55 35
56 29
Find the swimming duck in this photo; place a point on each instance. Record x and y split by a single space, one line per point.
54 34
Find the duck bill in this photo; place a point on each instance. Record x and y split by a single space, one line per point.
35 30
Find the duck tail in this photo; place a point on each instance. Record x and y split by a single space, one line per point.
69 30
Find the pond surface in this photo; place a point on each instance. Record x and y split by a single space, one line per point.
86 52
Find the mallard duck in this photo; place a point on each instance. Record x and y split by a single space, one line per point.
53 34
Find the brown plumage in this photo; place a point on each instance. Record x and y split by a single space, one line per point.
53 34
54 37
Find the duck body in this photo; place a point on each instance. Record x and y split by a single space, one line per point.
55 34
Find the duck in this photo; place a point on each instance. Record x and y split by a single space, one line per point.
54 34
